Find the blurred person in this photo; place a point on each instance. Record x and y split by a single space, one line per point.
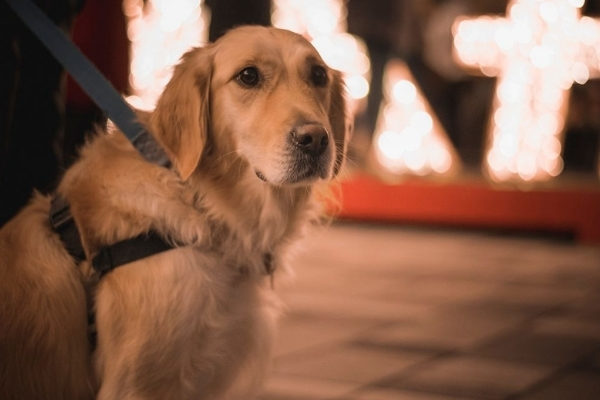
44 116
32 103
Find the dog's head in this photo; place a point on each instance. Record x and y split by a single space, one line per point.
261 94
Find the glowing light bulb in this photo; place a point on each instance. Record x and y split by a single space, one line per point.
408 138
160 32
537 52
404 91
324 23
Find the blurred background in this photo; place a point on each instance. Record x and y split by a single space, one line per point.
464 261
483 114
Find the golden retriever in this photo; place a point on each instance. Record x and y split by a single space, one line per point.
251 123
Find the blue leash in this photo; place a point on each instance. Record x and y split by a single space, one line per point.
111 102
90 80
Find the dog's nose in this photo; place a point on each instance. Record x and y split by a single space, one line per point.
312 139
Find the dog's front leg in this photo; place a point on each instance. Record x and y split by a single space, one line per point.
126 215
166 328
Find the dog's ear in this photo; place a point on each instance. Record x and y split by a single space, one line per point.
181 118
339 120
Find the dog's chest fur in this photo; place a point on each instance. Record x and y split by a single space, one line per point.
204 309
186 312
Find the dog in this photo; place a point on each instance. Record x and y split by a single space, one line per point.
252 124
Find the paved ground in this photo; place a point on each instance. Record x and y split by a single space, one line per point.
381 313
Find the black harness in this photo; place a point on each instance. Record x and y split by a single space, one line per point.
112 256
108 257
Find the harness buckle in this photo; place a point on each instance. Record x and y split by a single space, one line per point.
62 223
60 213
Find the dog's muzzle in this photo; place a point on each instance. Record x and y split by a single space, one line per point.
310 139
310 151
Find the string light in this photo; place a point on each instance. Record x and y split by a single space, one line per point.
324 23
160 32
408 138
537 52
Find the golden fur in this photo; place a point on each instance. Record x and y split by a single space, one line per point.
195 322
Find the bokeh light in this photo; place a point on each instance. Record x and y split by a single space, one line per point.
160 31
537 52
323 22
408 137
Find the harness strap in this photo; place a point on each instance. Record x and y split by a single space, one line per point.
129 250
109 257
119 253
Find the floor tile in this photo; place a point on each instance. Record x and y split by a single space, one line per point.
349 363
436 333
302 333
556 350
575 385
471 377
334 306
281 387
384 312
393 394
567 327
595 361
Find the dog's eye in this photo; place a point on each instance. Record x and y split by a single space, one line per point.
249 77
318 76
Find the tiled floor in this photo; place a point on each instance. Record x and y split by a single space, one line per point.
382 313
